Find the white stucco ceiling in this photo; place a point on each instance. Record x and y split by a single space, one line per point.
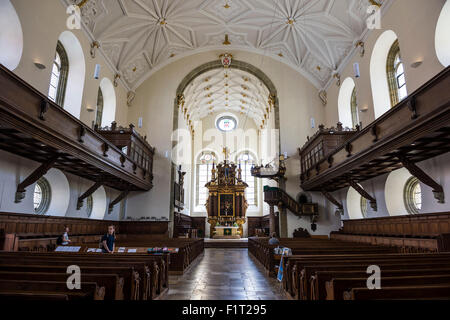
228 90
141 36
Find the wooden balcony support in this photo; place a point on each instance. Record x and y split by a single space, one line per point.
438 191
33 127
364 194
121 196
34 177
329 196
88 193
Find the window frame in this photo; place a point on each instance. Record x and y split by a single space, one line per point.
63 74
354 108
198 165
99 109
409 196
244 169
364 206
89 205
394 61
46 194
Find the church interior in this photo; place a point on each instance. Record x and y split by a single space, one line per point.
224 150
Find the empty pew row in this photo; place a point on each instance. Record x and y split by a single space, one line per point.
117 277
326 272
413 233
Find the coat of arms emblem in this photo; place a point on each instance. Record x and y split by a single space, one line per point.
226 59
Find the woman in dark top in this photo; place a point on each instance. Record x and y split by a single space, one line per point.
108 240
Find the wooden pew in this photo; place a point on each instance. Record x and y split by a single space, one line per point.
111 282
338 287
320 280
131 280
431 292
88 290
146 266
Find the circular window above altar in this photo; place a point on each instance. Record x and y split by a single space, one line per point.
226 123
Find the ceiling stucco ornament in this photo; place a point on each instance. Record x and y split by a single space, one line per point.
146 35
226 59
226 90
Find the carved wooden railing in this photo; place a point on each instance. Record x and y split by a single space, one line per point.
417 129
34 127
278 197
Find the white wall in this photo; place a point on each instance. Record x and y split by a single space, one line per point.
65 189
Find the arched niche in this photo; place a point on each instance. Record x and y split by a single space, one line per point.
442 37
344 102
394 192
109 102
99 201
76 76
378 73
11 36
59 193
354 204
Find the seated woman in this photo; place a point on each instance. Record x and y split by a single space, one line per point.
65 237
273 239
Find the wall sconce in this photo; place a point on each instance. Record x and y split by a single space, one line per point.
90 109
94 45
337 76
362 48
39 65
364 109
116 80
416 64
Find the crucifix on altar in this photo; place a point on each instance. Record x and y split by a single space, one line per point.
226 204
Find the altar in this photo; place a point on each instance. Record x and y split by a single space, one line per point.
226 204
223 232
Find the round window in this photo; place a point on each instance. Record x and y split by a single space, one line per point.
226 123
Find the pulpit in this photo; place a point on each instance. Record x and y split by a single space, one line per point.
226 204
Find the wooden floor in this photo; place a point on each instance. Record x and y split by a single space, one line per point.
225 274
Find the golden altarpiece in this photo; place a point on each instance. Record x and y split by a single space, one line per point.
226 204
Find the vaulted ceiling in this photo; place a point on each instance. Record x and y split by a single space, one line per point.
141 36
230 90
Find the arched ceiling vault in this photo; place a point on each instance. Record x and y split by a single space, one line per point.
227 90
139 37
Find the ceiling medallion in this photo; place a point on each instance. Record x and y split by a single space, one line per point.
227 41
226 59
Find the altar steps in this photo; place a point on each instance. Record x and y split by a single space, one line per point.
229 243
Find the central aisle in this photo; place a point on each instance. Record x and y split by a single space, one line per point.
224 274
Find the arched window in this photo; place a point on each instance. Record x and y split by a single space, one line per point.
396 75
347 107
11 36
246 160
89 205
99 113
42 196
58 80
204 166
354 109
442 37
364 207
412 196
